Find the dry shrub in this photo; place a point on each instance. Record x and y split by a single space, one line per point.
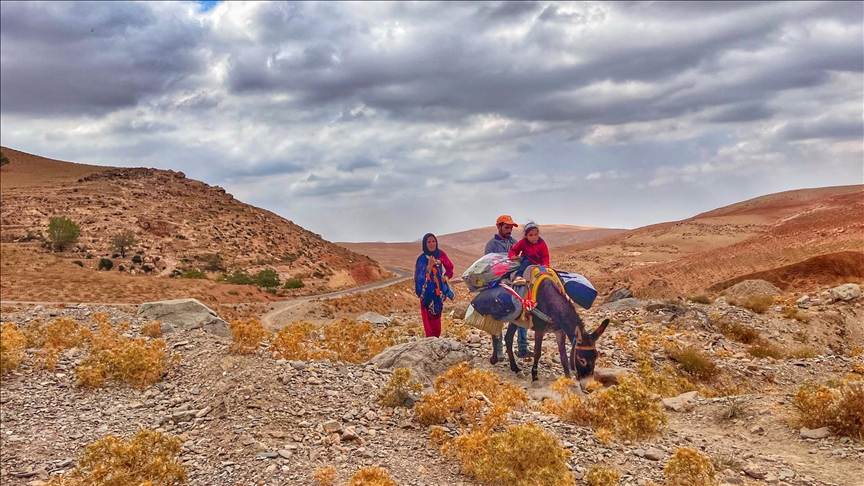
694 361
840 409
734 411
601 476
462 393
325 476
136 362
739 332
152 329
756 303
701 299
689 468
12 344
667 382
400 387
803 352
371 476
793 312
454 329
766 349
246 335
522 455
150 458
52 338
627 409
291 340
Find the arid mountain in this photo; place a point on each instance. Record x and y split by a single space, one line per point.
180 224
465 247
804 236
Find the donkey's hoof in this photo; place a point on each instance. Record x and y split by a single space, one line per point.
533 375
493 359
515 369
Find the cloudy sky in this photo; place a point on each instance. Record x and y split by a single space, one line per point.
382 121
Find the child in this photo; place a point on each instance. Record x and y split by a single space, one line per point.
531 247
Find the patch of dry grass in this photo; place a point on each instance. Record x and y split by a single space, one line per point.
152 329
51 339
756 303
793 312
246 335
12 344
602 476
688 467
326 476
400 387
149 458
739 332
840 409
342 340
371 476
693 361
766 349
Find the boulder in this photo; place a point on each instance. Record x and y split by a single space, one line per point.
629 303
619 295
427 357
682 402
846 292
748 288
820 433
185 314
374 318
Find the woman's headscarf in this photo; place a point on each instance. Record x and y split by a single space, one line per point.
426 251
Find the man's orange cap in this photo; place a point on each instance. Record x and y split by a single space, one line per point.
506 219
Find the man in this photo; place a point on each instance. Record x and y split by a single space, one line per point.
501 243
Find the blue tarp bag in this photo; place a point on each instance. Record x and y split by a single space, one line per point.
497 303
578 288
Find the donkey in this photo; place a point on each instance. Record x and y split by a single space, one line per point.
565 321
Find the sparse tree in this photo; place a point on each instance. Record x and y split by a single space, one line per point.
3 159
123 241
62 232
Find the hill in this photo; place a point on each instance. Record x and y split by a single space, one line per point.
181 225
713 250
403 255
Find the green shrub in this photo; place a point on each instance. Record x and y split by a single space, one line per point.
137 259
267 278
105 264
294 283
123 241
193 273
62 232
239 277
214 263
78 262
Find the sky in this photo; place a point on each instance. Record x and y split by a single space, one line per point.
385 121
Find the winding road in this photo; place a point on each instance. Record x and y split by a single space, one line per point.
278 306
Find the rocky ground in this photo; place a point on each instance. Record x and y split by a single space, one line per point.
258 420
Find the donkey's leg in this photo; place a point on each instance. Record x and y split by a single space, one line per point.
538 349
508 342
562 352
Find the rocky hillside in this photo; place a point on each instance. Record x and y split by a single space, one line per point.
809 233
180 225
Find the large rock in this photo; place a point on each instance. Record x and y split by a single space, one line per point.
427 357
374 318
682 402
748 288
620 294
185 314
847 291
820 433
622 304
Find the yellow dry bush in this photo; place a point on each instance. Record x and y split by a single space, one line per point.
326 476
355 342
152 329
739 332
400 387
693 361
626 409
462 393
149 458
689 468
291 341
371 476
601 476
522 455
52 338
765 349
841 409
453 329
802 352
246 336
12 344
114 356
792 312
667 382
756 303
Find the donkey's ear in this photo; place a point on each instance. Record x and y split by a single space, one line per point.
599 331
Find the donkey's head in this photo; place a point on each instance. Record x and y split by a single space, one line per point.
583 356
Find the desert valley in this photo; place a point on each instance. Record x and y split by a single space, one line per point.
735 353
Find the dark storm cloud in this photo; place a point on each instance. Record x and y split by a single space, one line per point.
90 57
332 108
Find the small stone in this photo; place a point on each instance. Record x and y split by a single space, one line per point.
819 433
349 433
284 453
370 415
639 452
754 472
267 455
332 426
757 430
785 474
653 454
299 365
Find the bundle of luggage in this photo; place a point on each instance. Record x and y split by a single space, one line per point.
495 305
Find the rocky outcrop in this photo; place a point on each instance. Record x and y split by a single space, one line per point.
427 358
185 314
847 291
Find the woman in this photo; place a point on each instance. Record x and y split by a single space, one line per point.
431 274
